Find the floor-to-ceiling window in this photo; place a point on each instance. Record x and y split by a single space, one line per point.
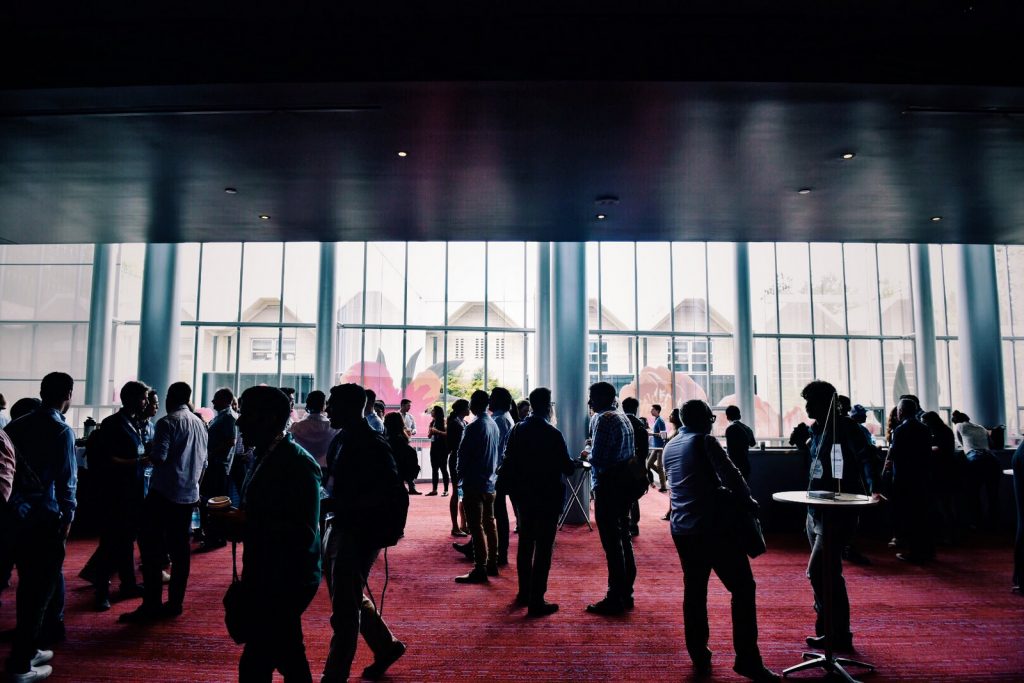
1010 276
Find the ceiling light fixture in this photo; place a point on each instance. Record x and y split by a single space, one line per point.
936 219
403 154
804 190
848 155
264 217
230 190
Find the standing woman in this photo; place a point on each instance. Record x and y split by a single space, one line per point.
453 437
438 448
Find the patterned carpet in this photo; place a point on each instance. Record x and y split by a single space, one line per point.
955 620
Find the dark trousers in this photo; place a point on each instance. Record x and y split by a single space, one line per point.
215 483
347 565
39 557
166 528
634 517
439 462
611 512
912 515
501 521
277 642
480 518
983 475
820 564
116 550
700 554
537 530
1018 493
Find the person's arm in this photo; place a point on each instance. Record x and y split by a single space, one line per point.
161 443
66 480
599 443
724 466
465 446
561 454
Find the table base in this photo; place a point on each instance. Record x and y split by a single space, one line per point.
832 665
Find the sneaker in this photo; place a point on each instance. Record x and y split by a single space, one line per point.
379 666
478 575
608 607
542 610
35 673
431 493
42 657
759 673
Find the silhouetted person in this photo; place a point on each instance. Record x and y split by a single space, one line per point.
1017 463
947 470
658 436
983 470
630 406
456 426
314 432
501 405
222 434
739 439
911 463
477 465
373 418
22 406
438 449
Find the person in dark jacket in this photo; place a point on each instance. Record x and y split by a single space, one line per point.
536 458
739 439
438 449
641 445
280 532
947 468
910 458
453 437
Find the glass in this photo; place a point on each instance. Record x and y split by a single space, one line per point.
43 254
261 282
125 354
942 368
350 353
385 283
298 360
218 353
220 281
1009 389
593 321
797 371
618 288
465 283
506 284
426 283
894 280
956 396
130 266
830 363
45 292
766 388
654 286
721 388
828 289
762 287
188 281
866 373
531 284
187 371
899 376
383 366
689 286
301 281
655 377
1015 260
506 354
465 363
349 284
721 286
950 280
793 287
424 374
938 284
597 358
861 288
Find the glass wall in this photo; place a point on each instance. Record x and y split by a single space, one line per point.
1010 277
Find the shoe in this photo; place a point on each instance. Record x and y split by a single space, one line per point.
844 644
101 604
414 492
759 673
445 494
492 570
608 607
35 673
894 543
464 548
379 666
502 560
464 529
521 600
143 615
702 669
171 610
431 493
42 657
635 531
544 609
458 533
628 603
1016 589
478 575
666 516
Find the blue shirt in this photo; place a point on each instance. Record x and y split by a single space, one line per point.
47 444
178 456
375 422
692 461
658 428
478 455
505 425
612 442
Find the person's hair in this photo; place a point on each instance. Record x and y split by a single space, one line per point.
437 413
288 391
270 404
912 397
3 401
675 419
523 404
656 406
540 400
844 405
405 401
55 387
379 407
630 405
394 424
894 421
178 394
459 406
224 394
908 405
696 413
348 397
732 412
24 406
133 391
957 417
602 394
933 421
478 401
153 393
818 392
315 401
500 400
371 396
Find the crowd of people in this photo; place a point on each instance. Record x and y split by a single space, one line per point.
323 496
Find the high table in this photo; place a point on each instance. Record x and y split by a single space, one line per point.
842 501
578 492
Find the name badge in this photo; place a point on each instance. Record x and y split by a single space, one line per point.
141 450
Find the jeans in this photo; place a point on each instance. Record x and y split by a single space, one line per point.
537 530
700 554
611 512
843 527
347 565
166 527
39 557
480 518
277 642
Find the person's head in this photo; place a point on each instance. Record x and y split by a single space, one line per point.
460 408
134 397
697 416
223 398
602 396
24 406
674 418
844 405
915 399
959 417
478 402
655 410
933 421
371 399
379 408
500 400
405 405
540 402
315 401
859 414
630 405
394 425
732 413
523 407
264 415
906 409
290 393
56 389
346 405
819 395
437 413
152 404
178 394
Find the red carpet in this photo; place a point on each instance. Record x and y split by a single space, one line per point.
954 620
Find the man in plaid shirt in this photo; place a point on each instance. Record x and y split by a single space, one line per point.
612 436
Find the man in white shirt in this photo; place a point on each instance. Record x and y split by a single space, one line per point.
410 421
314 432
372 418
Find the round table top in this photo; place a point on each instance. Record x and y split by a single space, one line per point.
841 499
1008 472
584 464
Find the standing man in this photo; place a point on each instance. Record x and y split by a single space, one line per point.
410 422
910 457
656 460
693 460
178 456
361 470
535 459
223 435
43 506
858 477
477 464
612 448
314 432
501 405
739 439
372 418
630 406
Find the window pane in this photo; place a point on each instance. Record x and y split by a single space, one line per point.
131 262
505 361
861 288
465 371
1015 258
426 283
954 376
126 358
465 282
220 278
942 367
762 287
385 282
795 355
383 366
298 360
261 282
793 287
689 286
593 320
655 376
45 292
186 361
828 289
218 356
350 284
722 286
424 373
950 285
188 282
301 281
899 369
32 350
938 285
894 279
721 387
42 254
621 365
617 286
866 373
506 282
531 284
654 293
830 363
766 388
1009 389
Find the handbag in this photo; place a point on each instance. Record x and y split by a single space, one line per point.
238 605
736 515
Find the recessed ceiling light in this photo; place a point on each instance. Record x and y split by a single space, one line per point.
600 216
264 217
403 154
230 190
936 219
848 155
804 190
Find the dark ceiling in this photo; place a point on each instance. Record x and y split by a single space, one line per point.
128 125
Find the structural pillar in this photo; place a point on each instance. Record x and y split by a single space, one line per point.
327 319
160 324
981 357
543 338
101 323
743 337
924 327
